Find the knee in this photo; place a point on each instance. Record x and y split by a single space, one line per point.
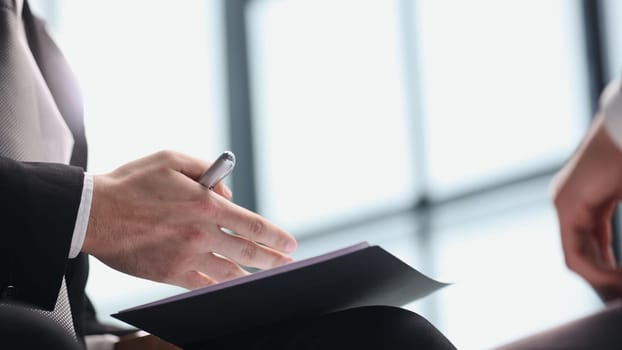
382 313
23 328
380 316
391 327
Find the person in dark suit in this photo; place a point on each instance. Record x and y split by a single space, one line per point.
40 202
149 218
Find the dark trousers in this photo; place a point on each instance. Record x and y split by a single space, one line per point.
601 330
22 328
374 327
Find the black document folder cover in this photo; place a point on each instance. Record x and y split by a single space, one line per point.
359 275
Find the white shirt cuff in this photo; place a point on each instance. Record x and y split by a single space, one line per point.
611 108
82 221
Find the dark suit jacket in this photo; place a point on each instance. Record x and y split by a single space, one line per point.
39 202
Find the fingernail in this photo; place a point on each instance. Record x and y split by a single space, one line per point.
291 246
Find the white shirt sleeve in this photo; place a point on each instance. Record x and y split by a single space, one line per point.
82 220
611 108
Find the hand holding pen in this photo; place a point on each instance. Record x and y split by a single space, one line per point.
169 228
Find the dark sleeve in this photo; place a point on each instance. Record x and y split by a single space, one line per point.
38 208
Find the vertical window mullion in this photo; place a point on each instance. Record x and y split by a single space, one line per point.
239 103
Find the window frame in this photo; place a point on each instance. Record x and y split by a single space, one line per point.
241 118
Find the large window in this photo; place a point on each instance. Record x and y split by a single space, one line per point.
612 12
150 76
431 127
329 104
503 88
374 106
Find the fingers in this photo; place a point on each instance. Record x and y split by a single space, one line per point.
193 280
586 255
607 281
217 268
189 166
580 242
252 226
192 168
586 241
611 287
583 256
587 262
246 252
207 269
603 233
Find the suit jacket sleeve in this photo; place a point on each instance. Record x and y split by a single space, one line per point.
38 208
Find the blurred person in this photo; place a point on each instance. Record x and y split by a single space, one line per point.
149 218
586 192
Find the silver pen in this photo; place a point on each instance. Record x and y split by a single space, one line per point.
222 167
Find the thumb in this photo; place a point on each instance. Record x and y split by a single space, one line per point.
192 168
189 166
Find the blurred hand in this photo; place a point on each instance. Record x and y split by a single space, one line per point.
585 194
151 219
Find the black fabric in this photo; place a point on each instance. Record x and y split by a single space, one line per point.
39 202
38 208
600 330
93 326
22 328
66 92
76 277
371 327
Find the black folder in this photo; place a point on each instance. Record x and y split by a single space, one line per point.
359 275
